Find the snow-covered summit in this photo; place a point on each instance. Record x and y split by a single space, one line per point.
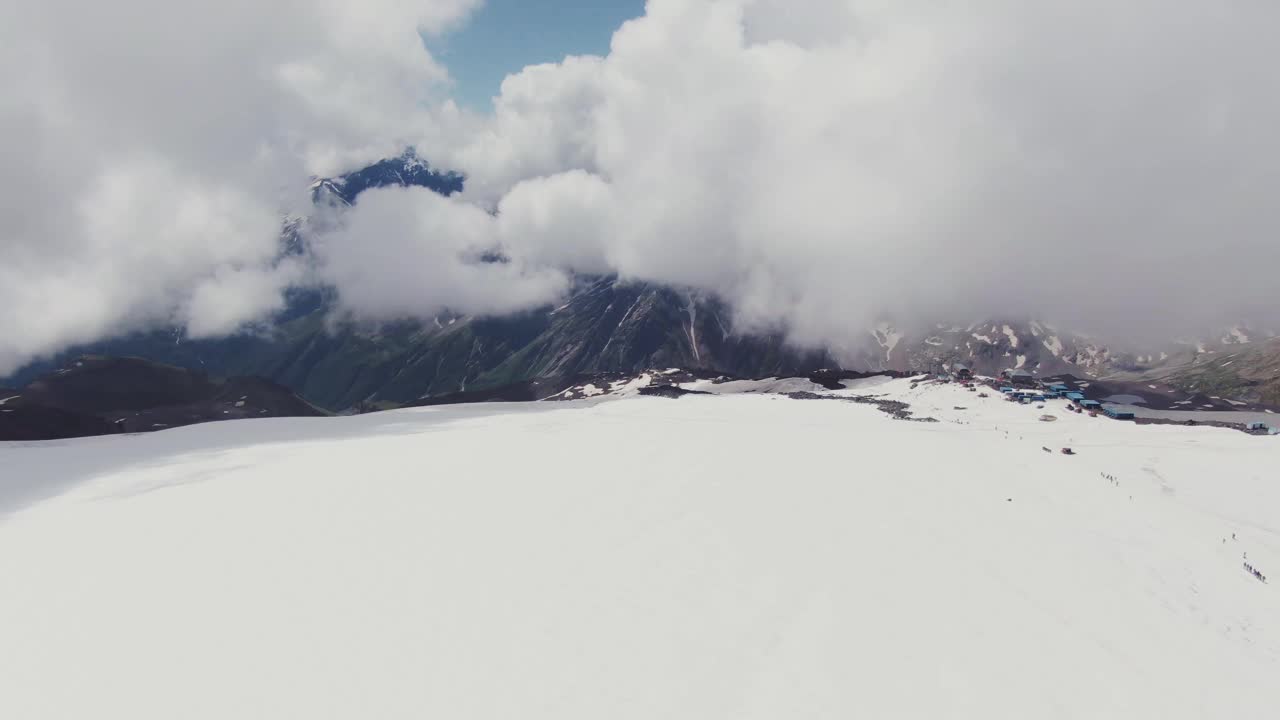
407 170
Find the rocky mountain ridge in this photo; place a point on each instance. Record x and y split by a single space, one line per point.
611 325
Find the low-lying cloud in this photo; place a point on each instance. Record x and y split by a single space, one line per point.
818 165
152 147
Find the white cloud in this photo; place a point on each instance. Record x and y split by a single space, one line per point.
152 146
231 299
559 221
818 164
409 252
1108 164
542 123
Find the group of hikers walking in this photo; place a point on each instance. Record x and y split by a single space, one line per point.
1249 568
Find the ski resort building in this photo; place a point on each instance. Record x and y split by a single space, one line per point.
1021 378
1119 413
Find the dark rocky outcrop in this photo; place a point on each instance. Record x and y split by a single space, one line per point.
95 395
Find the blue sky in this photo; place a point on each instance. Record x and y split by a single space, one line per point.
506 35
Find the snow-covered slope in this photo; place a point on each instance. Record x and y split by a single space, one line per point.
735 556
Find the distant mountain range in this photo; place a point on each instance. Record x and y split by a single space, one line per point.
605 325
608 325
1238 363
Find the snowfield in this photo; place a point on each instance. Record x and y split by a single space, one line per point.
744 555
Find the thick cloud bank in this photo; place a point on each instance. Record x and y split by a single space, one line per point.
818 164
151 148
1107 164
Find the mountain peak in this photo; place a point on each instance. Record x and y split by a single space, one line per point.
405 170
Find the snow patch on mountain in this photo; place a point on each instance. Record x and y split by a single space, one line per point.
1054 345
1236 336
887 337
1013 336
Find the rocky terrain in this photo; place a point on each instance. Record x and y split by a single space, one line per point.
1237 365
100 395
1246 372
